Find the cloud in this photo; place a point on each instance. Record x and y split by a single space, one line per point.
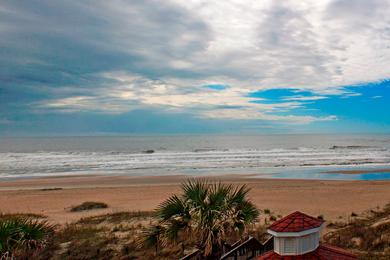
303 98
204 58
134 92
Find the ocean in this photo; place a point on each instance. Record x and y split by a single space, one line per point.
265 156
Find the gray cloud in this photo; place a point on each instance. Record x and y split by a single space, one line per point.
56 56
74 38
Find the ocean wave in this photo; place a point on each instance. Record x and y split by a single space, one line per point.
23 164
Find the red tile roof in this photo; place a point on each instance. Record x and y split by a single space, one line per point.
323 252
296 222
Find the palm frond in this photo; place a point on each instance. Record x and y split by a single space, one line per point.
172 207
23 233
195 191
239 194
219 194
151 237
248 212
211 211
173 229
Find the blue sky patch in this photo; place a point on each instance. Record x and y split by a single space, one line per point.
279 93
216 86
372 105
367 103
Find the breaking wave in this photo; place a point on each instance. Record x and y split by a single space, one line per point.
72 162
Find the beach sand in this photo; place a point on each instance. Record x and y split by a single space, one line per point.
331 199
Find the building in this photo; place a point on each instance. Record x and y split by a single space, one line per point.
244 249
297 236
248 249
294 237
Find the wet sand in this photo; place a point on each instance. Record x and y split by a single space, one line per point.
53 197
358 171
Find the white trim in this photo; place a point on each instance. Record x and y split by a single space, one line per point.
302 244
301 253
294 234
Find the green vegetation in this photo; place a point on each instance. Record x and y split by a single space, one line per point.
22 236
204 214
88 205
108 236
22 215
207 213
119 236
368 235
117 217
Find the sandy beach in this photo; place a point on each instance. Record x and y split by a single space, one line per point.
53 197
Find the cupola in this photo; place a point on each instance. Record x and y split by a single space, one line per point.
296 234
297 237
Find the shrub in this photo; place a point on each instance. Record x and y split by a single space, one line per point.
51 189
22 234
210 212
88 205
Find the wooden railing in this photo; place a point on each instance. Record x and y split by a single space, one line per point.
248 249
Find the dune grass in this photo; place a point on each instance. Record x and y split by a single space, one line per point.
21 215
118 236
107 236
368 235
117 217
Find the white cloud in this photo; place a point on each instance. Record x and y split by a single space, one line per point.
134 92
302 44
161 54
252 114
350 94
304 98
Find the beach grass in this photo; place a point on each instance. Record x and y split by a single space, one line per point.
367 235
117 217
117 236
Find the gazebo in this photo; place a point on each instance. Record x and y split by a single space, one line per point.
297 236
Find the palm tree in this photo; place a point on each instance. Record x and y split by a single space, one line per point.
208 212
152 237
22 234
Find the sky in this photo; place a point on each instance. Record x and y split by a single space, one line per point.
90 67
